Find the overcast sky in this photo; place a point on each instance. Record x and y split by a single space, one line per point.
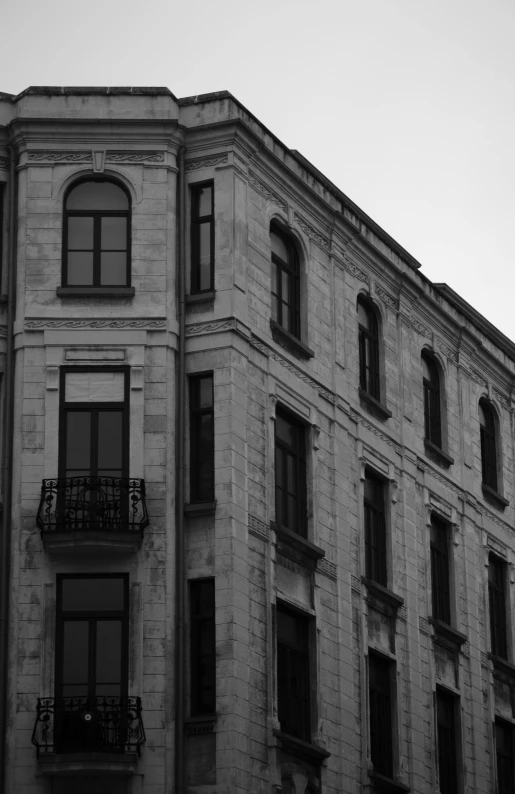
406 105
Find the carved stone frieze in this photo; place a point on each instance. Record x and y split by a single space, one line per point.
87 157
4 162
205 162
42 324
313 233
266 191
386 297
259 528
327 568
355 270
211 327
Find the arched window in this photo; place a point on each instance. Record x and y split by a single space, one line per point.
369 380
285 282
96 235
432 401
488 444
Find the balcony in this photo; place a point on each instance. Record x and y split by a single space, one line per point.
92 513
88 735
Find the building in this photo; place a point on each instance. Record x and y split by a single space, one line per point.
258 472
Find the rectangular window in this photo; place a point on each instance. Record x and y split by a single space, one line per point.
380 702
91 671
290 473
2 220
293 675
447 741
202 439
202 238
440 586
497 599
505 752
202 647
375 529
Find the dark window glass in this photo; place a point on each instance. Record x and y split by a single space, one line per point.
488 444
505 751
497 599
2 220
375 530
202 451
293 680
290 473
202 647
380 700
368 339
96 235
202 238
447 746
440 588
285 282
432 413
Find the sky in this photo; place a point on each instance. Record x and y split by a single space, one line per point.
408 106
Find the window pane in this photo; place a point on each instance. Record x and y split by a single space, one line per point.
425 370
80 269
205 392
78 441
113 268
97 195
75 652
80 234
205 245
114 234
94 387
279 247
109 652
93 594
204 201
110 442
363 317
285 319
284 430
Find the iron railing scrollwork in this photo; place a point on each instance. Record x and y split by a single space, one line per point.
109 504
88 724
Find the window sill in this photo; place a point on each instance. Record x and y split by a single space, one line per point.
386 785
503 665
200 508
372 405
290 342
196 726
88 763
306 751
437 454
446 632
494 498
290 538
95 292
384 593
200 297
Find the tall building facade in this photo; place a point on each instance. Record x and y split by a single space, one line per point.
258 472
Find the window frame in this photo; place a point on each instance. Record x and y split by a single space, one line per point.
376 562
381 728
369 350
509 757
433 431
197 454
303 723
198 621
297 453
489 443
498 607
292 269
449 742
440 571
97 216
196 222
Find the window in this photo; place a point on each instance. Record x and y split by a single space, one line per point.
497 599
285 282
447 745
96 235
293 679
202 450
432 409
202 238
91 662
440 585
290 473
368 339
488 444
375 530
380 703
202 647
505 752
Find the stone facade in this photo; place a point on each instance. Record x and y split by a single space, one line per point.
138 137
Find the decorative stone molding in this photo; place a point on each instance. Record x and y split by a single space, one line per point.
478 378
423 625
88 157
259 528
205 162
327 568
135 157
312 233
266 191
60 157
52 378
43 324
211 327
386 297
136 378
3 330
355 584
4 162
421 328
448 351
494 545
355 270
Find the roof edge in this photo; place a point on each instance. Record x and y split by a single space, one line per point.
52 90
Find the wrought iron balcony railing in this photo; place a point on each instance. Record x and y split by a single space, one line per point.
105 504
88 725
